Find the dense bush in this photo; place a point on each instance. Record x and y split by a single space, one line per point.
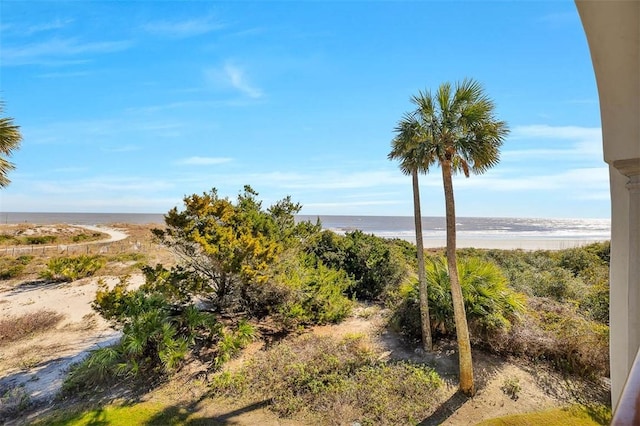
311 293
229 247
72 268
375 264
489 303
335 379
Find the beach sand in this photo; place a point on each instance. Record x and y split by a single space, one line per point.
508 243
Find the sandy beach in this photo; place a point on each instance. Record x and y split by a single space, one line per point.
509 243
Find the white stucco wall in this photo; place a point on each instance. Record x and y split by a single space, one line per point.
613 32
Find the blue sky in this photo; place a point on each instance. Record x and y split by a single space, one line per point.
127 106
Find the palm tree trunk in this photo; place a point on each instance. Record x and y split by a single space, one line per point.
462 330
427 343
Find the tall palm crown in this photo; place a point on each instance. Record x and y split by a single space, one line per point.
410 146
10 139
460 127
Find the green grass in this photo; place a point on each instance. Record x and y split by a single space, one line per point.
576 415
144 413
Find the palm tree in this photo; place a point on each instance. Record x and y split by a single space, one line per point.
10 138
408 146
464 136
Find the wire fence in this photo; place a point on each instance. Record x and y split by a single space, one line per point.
75 249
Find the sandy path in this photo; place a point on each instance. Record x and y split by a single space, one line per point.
114 234
39 364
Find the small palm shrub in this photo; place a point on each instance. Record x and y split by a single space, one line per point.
72 268
489 303
158 335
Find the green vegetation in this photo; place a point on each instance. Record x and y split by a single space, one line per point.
16 328
564 322
79 238
240 264
12 267
576 415
39 239
72 268
251 273
490 304
10 138
327 378
375 265
144 413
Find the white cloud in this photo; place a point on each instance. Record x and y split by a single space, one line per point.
203 161
583 142
125 148
101 185
578 180
50 50
233 76
184 28
47 26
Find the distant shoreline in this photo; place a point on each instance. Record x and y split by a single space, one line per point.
482 233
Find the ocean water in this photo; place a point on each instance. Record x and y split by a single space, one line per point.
476 228
473 228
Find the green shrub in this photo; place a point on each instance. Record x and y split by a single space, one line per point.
12 267
78 238
311 293
578 259
489 303
157 336
40 239
374 263
578 275
72 268
6 239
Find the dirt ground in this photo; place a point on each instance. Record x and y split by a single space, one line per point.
38 364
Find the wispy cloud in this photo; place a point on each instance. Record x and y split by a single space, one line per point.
57 49
47 26
125 148
71 74
28 30
233 76
102 185
203 161
83 131
584 141
70 169
183 28
572 181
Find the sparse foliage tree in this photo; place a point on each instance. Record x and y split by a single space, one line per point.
413 150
